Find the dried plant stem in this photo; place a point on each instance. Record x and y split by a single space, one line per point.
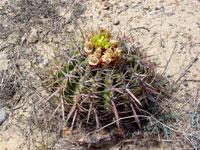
173 52
54 111
188 67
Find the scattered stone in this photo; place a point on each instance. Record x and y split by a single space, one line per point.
45 62
158 8
68 19
169 76
121 4
119 11
125 7
33 37
134 5
146 8
78 9
170 14
153 12
106 5
3 115
115 21
188 72
24 38
185 83
106 15
99 11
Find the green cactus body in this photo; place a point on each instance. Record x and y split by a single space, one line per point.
103 94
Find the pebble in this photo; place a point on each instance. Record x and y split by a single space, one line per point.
185 83
153 12
68 19
169 76
45 62
134 5
115 21
99 11
106 5
170 14
119 11
3 115
33 37
145 7
125 7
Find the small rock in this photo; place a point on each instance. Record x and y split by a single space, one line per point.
145 7
169 76
3 115
68 19
106 15
33 37
134 5
158 8
153 12
125 7
119 11
185 83
115 21
121 4
170 14
106 5
99 11
45 62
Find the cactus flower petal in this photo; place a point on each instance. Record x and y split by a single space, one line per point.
93 60
113 43
107 58
98 52
118 52
88 47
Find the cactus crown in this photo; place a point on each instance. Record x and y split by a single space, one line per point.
99 40
105 82
101 49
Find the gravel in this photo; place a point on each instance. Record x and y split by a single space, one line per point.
116 21
68 19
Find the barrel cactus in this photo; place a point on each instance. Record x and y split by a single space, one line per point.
104 82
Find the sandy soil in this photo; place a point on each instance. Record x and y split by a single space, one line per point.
168 31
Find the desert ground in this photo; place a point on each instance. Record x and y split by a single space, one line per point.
31 30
